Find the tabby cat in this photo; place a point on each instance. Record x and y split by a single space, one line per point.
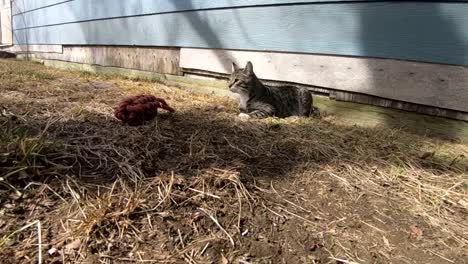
260 101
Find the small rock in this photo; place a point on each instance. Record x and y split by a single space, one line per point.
15 196
52 251
8 206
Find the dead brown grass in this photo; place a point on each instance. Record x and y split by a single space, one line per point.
201 186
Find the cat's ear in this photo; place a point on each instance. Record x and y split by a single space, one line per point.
234 67
248 68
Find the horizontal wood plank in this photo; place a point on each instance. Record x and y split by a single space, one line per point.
34 48
442 86
5 4
160 60
431 32
6 32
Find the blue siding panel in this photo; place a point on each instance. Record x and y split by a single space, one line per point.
20 6
84 10
68 11
429 31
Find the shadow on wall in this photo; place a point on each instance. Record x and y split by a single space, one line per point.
199 26
395 35
204 31
24 38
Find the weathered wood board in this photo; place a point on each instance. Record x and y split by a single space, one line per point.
419 31
34 48
443 86
6 33
160 60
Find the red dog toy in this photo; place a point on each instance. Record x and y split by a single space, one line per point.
137 109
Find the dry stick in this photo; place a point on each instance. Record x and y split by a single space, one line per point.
373 227
204 249
440 256
273 212
3 182
261 189
135 260
180 238
205 193
12 173
48 124
240 209
236 148
149 221
164 196
39 238
48 187
219 225
298 216
343 261
189 258
74 195
295 205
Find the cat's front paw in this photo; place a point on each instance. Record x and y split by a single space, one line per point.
244 115
292 118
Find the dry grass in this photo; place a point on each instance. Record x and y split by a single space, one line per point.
202 186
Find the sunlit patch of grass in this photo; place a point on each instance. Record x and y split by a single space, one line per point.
87 74
79 112
26 74
35 75
396 173
14 72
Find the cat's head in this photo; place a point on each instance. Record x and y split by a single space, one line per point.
242 79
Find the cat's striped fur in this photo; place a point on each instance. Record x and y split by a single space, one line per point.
260 101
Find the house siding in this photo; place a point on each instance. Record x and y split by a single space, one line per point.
434 32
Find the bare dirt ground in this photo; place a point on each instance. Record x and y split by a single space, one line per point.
203 186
